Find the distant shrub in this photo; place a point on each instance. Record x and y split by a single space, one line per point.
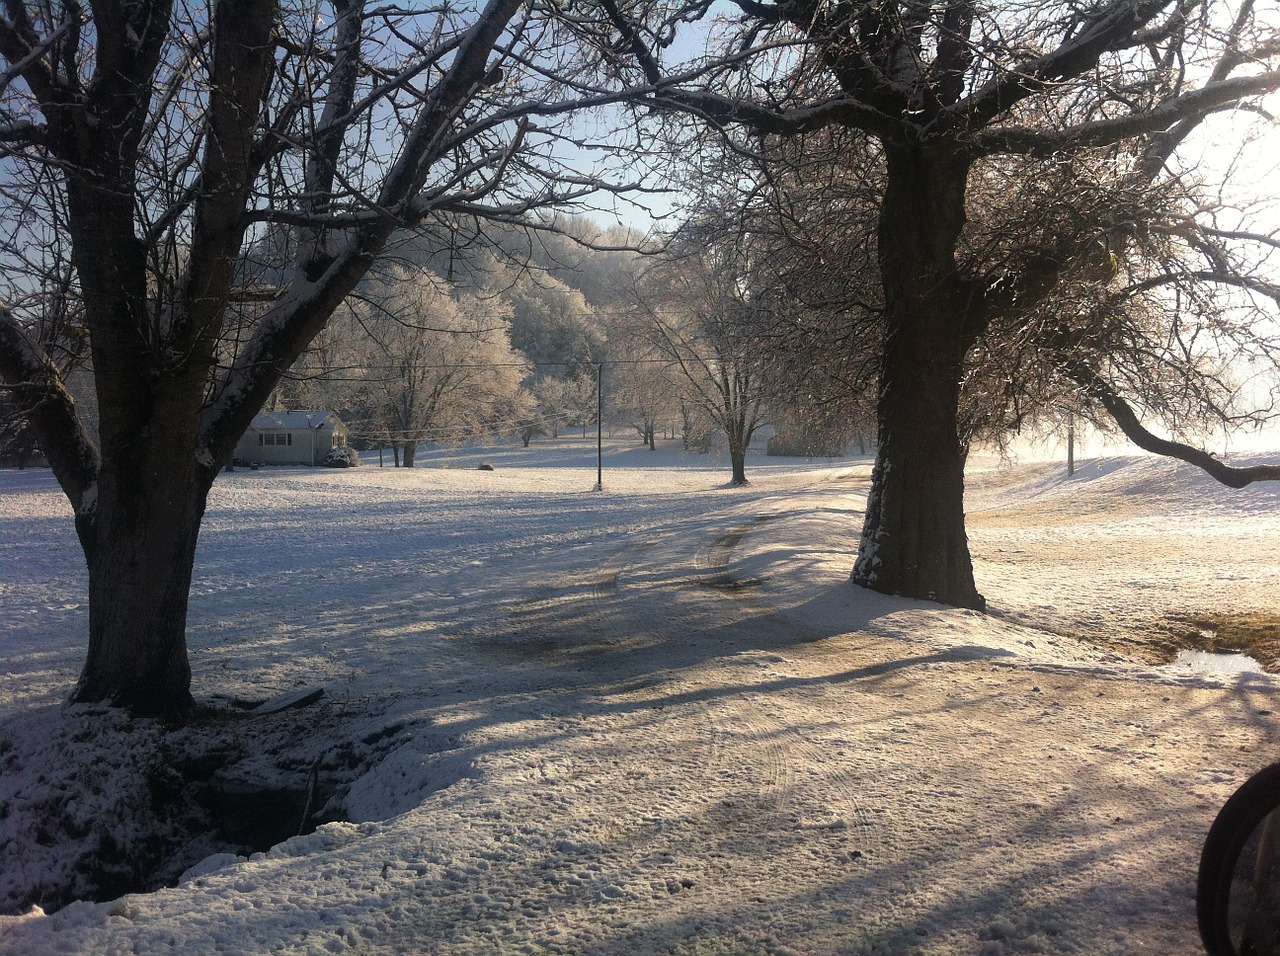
342 458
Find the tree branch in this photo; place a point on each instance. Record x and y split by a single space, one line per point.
1178 110
44 401
22 47
325 280
24 133
1106 30
1128 421
26 66
1221 277
847 110
242 63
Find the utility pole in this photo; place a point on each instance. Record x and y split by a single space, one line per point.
599 426
1071 444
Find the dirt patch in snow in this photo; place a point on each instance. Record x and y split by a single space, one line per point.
1256 635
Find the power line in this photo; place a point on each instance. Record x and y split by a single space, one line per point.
326 373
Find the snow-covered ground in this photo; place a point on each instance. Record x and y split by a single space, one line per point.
651 719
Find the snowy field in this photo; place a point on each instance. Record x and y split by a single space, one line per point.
652 719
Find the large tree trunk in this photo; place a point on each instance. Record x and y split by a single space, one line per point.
913 536
140 544
410 451
738 462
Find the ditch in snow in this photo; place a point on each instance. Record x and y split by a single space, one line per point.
108 805
1236 642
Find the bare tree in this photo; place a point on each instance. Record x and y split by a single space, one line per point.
644 395
439 367
805 209
178 139
951 94
692 305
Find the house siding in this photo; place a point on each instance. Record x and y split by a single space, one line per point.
291 438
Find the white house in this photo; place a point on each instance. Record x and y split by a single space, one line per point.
291 438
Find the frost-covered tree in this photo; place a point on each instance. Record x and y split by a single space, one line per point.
558 402
439 366
800 211
551 323
692 307
642 386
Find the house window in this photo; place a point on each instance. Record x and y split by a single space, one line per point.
275 438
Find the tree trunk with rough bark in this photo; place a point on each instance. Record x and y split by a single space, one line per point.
738 463
140 566
913 537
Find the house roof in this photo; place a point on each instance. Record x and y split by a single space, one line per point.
294 421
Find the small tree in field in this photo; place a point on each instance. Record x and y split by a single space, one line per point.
801 207
692 307
439 367
160 145
644 392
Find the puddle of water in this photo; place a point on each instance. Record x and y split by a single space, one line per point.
1218 663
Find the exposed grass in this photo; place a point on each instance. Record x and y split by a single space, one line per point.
1255 634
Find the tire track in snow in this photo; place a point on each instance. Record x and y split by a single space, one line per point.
575 613
728 775
793 802
712 563
758 757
